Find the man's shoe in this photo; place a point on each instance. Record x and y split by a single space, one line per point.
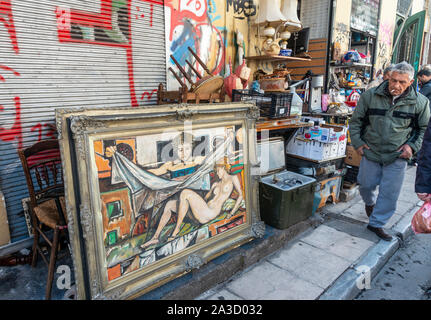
369 210
380 233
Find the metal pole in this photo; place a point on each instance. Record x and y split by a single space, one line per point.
329 48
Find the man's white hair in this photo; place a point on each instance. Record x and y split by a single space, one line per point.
388 69
404 68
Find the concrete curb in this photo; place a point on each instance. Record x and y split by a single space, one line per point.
346 286
402 228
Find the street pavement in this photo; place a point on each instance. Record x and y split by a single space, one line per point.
406 276
332 261
22 282
335 261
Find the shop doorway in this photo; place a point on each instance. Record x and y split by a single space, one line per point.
408 40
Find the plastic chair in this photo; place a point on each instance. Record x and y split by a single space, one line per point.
42 167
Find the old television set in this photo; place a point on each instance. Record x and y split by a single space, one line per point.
299 41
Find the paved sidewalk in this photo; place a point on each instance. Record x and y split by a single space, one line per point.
315 259
328 262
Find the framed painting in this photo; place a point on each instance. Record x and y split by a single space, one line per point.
154 193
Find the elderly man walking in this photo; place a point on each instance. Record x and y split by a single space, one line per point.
387 128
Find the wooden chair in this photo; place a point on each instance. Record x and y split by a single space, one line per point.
217 80
42 167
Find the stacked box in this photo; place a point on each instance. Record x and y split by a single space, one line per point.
314 149
326 134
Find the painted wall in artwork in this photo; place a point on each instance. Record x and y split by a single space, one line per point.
163 193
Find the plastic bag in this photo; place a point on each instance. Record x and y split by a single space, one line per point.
421 222
351 56
336 97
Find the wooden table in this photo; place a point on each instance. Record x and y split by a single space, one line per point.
273 125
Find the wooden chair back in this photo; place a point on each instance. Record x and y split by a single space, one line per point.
43 171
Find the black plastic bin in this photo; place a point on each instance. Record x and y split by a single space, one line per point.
271 104
282 206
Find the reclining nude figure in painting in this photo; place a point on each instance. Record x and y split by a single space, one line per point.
201 210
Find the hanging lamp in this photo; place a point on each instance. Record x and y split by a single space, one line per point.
290 12
269 13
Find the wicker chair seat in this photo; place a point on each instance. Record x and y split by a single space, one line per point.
48 214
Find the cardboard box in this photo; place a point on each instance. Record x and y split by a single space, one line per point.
342 146
295 146
326 133
4 225
337 133
333 150
319 150
315 150
352 157
270 154
298 146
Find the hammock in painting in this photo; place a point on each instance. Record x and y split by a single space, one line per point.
138 179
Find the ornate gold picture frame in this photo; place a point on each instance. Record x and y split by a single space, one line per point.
154 193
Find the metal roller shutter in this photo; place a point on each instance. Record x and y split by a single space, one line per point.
315 14
56 54
365 16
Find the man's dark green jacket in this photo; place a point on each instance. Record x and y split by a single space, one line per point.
385 125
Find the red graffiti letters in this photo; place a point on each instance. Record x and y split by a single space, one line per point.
15 132
7 18
67 17
50 128
148 94
111 32
160 2
7 69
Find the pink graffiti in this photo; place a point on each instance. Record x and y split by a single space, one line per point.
7 18
386 33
